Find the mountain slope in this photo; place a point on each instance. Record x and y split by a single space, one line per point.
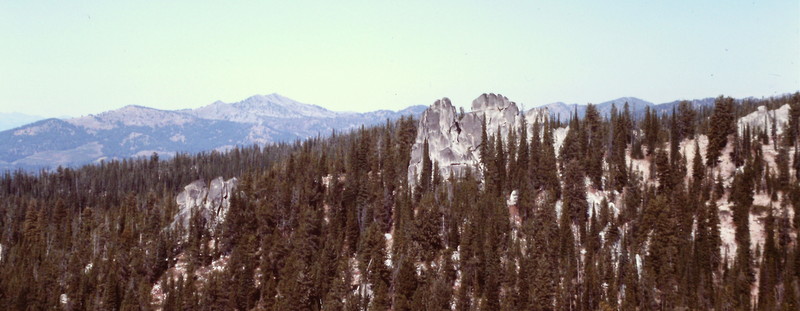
282 113
140 131
635 105
132 116
259 108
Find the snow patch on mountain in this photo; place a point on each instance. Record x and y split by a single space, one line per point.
134 139
40 127
763 119
256 108
260 134
132 116
84 153
559 135
180 270
178 138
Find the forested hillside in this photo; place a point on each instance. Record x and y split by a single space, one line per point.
687 210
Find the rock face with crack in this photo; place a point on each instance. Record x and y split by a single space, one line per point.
454 138
210 202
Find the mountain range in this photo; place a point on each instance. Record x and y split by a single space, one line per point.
564 112
134 131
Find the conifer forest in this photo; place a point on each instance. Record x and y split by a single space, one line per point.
689 209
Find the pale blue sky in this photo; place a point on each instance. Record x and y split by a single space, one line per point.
80 57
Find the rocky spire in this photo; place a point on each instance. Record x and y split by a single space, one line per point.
454 139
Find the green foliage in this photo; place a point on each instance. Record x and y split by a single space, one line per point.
616 160
722 125
548 167
595 146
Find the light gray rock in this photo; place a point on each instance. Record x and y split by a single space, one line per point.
211 202
454 140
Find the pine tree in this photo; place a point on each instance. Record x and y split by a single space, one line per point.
662 257
522 172
627 123
632 200
241 227
742 273
427 235
512 171
340 288
782 163
373 265
674 138
389 175
792 133
500 166
594 147
575 204
426 174
714 237
544 256
651 128
591 286
535 150
547 164
629 276
686 116
567 293
524 278
698 169
664 172
573 147
737 154
617 163
700 267
405 284
490 300
770 267
722 125
296 288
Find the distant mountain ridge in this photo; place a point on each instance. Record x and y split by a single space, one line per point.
260 119
140 131
9 120
257 108
636 105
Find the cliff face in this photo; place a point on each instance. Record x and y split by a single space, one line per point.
454 139
209 201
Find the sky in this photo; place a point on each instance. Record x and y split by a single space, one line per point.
72 58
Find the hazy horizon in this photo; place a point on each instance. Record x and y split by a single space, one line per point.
79 58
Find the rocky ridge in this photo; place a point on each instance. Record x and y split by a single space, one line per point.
454 139
211 201
763 118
